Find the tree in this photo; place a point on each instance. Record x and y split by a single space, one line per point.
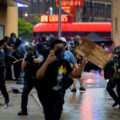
25 29
37 19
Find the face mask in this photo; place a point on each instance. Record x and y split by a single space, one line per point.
76 43
59 54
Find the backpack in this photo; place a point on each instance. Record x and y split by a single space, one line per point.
109 70
117 69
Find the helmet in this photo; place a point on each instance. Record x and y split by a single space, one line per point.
116 50
62 39
77 38
13 35
30 47
2 42
51 37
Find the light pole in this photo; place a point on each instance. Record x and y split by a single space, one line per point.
59 25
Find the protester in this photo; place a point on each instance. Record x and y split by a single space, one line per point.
77 41
29 64
51 75
19 51
112 72
3 73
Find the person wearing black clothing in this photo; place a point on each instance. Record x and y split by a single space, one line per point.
19 51
112 72
9 60
29 65
52 75
43 46
2 72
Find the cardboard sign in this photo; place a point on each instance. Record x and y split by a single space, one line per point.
96 54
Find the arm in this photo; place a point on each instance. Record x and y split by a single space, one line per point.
77 72
24 64
75 65
41 71
36 60
10 48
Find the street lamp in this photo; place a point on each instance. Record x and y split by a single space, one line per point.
26 14
59 25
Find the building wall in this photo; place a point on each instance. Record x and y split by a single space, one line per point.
3 12
94 11
2 21
12 21
9 19
116 21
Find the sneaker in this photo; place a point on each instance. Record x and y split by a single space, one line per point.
7 105
82 89
115 104
22 113
73 90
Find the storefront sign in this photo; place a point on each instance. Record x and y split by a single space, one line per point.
54 18
70 3
67 9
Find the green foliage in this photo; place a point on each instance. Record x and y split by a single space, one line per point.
25 29
37 19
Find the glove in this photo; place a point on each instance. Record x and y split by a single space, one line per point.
29 58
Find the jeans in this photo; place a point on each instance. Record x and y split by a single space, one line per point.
52 103
26 90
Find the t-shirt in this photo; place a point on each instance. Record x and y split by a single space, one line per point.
55 75
69 57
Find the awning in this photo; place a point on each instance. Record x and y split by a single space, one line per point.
76 27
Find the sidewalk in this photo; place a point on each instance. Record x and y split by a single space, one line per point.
10 113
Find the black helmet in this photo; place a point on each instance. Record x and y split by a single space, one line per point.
116 50
13 35
30 47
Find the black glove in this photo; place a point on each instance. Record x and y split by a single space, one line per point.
29 58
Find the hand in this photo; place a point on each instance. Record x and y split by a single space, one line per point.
50 59
29 59
85 59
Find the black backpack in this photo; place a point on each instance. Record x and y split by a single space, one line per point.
109 70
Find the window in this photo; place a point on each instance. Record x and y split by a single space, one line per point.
1 32
34 10
109 11
99 9
41 7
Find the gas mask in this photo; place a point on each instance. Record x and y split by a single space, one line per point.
59 54
76 43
